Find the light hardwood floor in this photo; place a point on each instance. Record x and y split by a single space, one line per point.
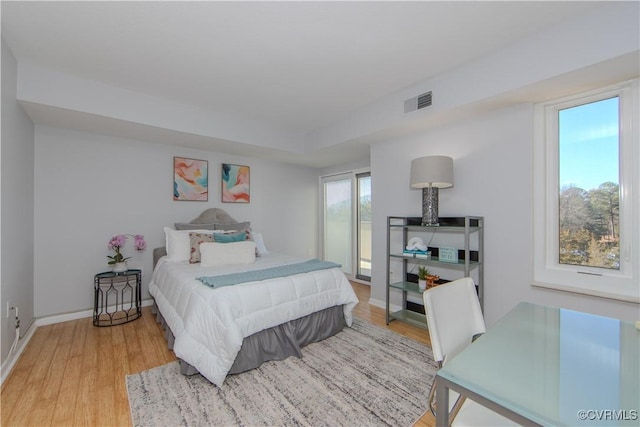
72 373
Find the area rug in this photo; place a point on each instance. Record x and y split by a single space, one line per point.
363 376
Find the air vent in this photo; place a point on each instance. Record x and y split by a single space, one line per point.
418 102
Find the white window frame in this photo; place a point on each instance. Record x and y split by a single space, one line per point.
623 284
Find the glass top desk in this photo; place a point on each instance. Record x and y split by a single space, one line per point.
550 366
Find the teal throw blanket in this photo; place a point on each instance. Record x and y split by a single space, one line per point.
267 273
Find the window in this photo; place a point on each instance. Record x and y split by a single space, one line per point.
586 195
589 187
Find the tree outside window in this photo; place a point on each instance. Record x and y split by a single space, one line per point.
589 193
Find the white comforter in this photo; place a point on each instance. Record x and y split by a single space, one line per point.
209 324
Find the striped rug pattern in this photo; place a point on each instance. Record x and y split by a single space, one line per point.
363 376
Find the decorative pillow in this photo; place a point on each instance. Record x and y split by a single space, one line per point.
195 240
178 244
186 226
231 237
219 254
238 226
261 249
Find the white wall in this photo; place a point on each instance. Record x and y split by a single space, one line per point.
493 178
89 187
16 267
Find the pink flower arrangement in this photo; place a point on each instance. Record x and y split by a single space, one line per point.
117 243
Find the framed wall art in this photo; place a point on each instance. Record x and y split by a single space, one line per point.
235 183
190 179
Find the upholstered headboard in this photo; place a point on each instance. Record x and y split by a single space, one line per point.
213 216
157 254
209 217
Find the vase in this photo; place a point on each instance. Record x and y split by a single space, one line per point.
431 280
422 284
119 267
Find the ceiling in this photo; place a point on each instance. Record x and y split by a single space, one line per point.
299 66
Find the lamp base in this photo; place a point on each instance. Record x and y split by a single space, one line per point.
430 206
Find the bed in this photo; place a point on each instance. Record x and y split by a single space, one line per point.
230 316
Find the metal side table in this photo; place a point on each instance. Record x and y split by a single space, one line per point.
117 297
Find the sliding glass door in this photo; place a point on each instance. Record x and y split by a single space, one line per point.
346 213
338 213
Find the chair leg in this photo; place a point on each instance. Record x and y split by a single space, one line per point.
432 403
432 398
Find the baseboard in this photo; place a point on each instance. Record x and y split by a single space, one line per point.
378 303
65 317
10 362
383 305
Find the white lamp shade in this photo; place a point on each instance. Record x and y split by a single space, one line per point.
434 170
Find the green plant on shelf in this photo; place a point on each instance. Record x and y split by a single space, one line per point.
423 272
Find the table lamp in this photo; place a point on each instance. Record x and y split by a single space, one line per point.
431 173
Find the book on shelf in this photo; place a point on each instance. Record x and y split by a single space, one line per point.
416 253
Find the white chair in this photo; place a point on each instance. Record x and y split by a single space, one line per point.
455 319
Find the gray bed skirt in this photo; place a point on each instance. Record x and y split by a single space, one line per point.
275 343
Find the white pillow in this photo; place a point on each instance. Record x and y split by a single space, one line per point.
261 249
178 244
218 254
